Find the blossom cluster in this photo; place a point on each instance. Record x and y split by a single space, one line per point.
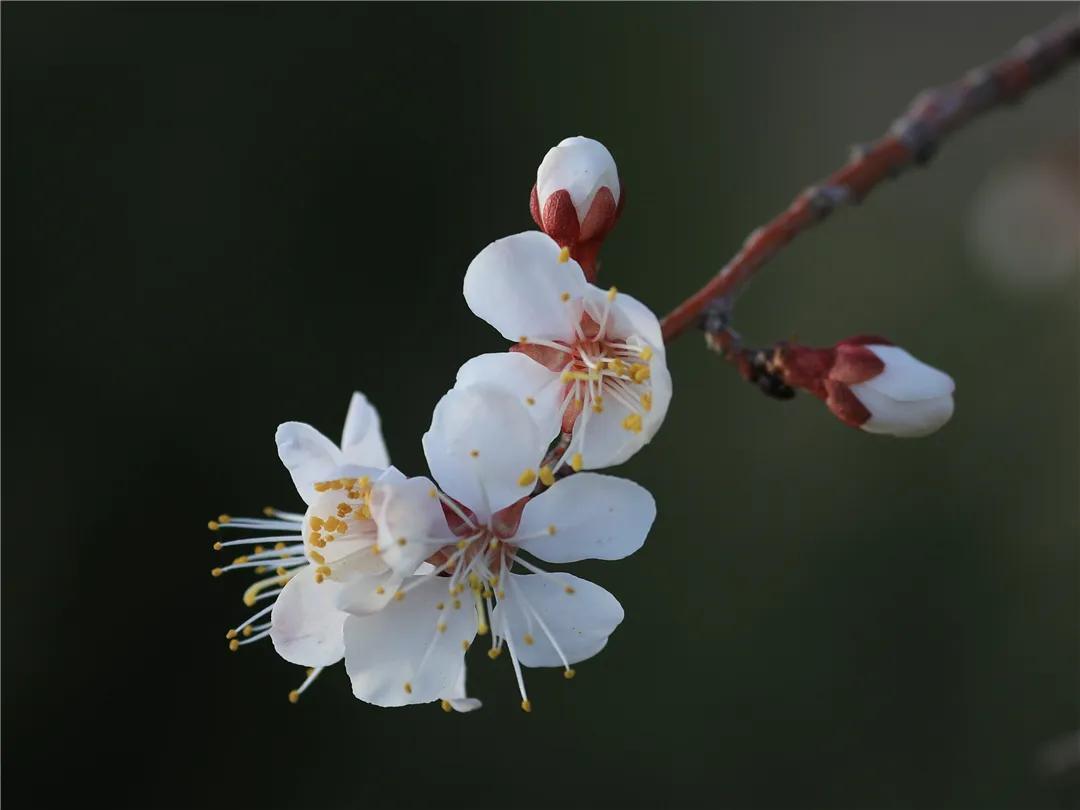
400 576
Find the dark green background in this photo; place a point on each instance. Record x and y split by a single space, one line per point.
219 217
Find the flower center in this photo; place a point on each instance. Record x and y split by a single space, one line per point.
338 527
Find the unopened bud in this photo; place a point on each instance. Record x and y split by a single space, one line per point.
870 384
577 197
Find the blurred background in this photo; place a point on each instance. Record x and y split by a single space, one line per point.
220 217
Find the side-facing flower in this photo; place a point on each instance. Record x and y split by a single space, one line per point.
475 529
577 197
871 384
598 369
314 556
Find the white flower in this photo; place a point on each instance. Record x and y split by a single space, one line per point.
598 368
907 398
577 192
484 450
317 554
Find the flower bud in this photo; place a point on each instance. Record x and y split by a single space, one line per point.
577 197
870 384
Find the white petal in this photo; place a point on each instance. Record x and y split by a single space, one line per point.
580 622
306 625
909 420
457 697
308 455
517 284
361 440
593 517
369 594
535 386
402 644
581 166
410 521
480 443
906 378
628 318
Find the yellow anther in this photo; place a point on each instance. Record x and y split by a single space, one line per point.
577 462
234 645
612 293
247 631
523 339
269 511
526 705
364 512
231 634
278 546
486 593
528 639
569 674
564 255
569 589
465 645
223 519
216 572
564 296
317 557
399 595
441 626
408 688
618 366
493 543
474 453
598 405
316 523
380 590
527 477
583 376
433 493
530 401
401 541
494 653
446 707
261 569
240 560
319 579
294 696
457 604
482 629
462 544
500 593
474 580
218 546
640 372
632 423
281 570
363 482
646 401
440 606
547 477
551 528
259 549
213 525
646 354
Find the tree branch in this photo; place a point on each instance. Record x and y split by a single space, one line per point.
913 139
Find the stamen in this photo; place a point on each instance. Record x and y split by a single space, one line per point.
312 674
